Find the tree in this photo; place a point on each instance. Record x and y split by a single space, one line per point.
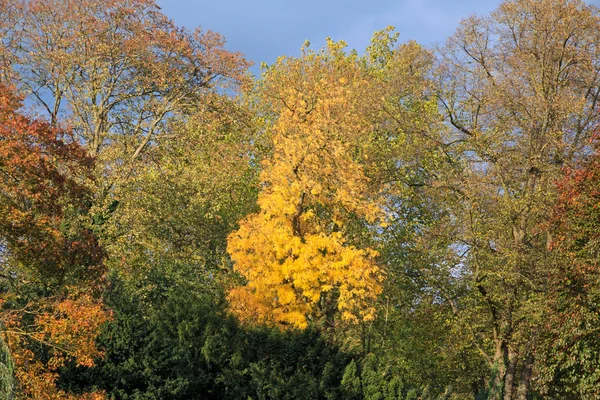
115 70
47 247
117 73
570 342
519 89
43 201
413 334
179 208
294 253
185 345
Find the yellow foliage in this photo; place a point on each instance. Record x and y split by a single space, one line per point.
293 252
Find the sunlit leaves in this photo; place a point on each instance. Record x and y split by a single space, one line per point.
46 244
43 198
519 88
116 70
62 331
293 253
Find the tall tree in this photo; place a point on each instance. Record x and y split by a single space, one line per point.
115 70
176 212
413 333
520 90
570 344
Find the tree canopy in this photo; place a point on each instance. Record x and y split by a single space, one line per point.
401 222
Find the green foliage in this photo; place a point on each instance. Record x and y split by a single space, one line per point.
571 365
373 378
182 345
189 194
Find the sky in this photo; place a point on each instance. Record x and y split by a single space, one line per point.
266 29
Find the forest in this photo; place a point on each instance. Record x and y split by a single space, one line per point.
396 222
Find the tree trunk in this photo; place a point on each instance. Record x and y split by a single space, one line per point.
510 374
498 373
7 369
525 378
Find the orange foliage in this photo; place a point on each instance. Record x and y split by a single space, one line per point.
122 67
43 178
65 331
45 242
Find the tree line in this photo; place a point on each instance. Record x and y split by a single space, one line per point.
403 222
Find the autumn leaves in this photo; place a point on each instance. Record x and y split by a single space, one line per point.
415 185
296 255
51 259
293 252
104 77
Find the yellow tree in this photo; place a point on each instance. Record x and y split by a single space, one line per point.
295 253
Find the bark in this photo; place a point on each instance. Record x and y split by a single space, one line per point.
510 374
296 226
525 380
498 374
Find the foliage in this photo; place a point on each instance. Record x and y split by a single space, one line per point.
571 345
43 194
184 346
46 246
294 253
189 195
404 223
519 90
116 70
63 331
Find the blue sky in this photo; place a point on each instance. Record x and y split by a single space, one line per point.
266 29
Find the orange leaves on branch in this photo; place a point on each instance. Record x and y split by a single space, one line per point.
294 252
64 331
73 326
576 215
46 240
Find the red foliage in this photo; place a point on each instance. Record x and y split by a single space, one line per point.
46 240
43 196
572 324
577 214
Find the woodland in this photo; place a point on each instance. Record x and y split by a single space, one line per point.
397 222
